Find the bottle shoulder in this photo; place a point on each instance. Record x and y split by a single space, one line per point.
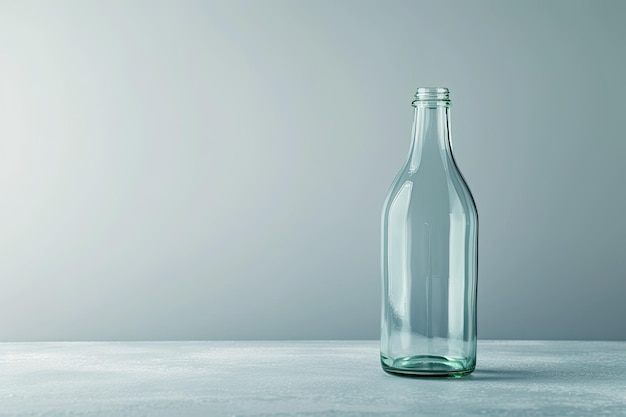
444 185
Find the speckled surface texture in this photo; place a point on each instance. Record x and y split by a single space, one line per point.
304 378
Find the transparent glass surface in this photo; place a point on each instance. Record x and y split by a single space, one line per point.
429 254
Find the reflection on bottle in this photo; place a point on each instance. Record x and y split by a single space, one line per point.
400 289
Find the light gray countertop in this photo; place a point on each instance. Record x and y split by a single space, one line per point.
304 378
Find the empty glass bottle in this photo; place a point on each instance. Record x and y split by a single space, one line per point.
429 254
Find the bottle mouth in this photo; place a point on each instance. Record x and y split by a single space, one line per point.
431 96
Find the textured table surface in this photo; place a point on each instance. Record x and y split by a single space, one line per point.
326 378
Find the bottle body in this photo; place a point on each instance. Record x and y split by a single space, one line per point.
429 254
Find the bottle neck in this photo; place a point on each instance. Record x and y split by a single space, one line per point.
431 135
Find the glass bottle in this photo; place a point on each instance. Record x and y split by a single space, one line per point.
429 254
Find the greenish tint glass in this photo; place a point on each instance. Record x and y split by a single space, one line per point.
429 254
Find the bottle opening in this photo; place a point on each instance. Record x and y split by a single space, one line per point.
431 96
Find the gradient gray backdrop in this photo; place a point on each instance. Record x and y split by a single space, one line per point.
217 169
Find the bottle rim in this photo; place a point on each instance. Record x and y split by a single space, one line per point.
432 95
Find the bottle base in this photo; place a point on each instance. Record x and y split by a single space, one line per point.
425 365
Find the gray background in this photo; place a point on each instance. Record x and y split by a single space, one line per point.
216 170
